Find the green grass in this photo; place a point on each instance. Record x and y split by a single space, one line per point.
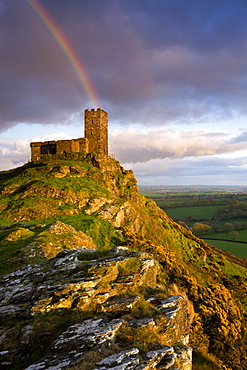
102 232
199 212
4 221
29 174
54 323
130 266
88 256
237 249
242 236
9 251
234 270
167 203
75 185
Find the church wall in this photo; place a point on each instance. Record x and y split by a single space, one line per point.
95 140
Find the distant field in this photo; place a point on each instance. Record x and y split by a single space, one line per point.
237 249
195 212
242 236
167 203
202 204
175 194
185 189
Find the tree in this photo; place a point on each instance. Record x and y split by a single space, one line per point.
228 227
201 229
234 235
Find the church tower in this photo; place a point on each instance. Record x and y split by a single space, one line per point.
96 130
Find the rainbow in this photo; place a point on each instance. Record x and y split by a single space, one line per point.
66 47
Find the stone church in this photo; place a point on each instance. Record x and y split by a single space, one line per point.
95 140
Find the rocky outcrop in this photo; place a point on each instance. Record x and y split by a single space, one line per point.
90 202
105 290
62 188
63 171
49 242
175 309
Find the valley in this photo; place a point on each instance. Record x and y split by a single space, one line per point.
216 214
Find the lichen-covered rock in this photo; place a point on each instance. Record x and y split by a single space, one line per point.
47 191
175 309
70 171
124 360
119 303
164 357
87 334
118 214
96 203
76 281
82 337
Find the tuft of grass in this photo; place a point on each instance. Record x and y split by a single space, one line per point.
231 269
204 361
144 338
129 266
99 255
144 309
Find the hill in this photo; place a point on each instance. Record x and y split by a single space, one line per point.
95 275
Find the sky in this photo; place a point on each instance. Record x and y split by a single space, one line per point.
172 75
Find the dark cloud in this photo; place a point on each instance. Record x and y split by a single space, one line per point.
150 62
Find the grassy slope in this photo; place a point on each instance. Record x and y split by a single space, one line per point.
204 273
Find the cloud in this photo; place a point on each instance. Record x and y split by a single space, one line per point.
14 155
239 139
54 136
142 145
193 171
18 153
